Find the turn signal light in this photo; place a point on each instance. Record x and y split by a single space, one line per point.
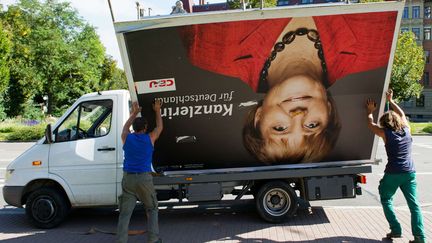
37 163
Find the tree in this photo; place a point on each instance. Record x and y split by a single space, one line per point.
112 76
408 66
236 4
54 53
5 46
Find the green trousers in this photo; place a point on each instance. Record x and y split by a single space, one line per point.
138 187
408 185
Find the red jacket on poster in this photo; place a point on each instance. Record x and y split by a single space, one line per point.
351 43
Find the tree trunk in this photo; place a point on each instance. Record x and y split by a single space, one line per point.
50 103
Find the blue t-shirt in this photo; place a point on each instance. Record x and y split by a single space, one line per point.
398 147
138 153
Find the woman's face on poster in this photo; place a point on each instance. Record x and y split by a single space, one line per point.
293 109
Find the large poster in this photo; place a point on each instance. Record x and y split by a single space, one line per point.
262 92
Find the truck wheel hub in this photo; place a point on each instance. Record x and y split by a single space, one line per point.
276 202
43 209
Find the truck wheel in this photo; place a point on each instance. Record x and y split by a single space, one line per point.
46 208
276 201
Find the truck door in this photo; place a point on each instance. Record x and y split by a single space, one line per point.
84 152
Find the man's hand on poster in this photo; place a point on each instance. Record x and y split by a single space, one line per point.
157 105
370 105
136 109
389 95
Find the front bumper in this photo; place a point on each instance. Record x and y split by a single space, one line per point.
12 195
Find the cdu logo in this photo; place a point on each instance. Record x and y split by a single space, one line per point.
155 86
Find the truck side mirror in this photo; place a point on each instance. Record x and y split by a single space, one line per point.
48 135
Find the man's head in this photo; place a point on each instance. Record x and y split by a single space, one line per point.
139 125
391 120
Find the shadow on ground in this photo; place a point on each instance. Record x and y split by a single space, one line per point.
237 223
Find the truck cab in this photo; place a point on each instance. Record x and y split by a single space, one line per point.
82 166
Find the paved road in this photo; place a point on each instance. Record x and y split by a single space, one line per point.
350 220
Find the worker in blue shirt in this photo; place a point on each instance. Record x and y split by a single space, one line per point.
399 172
137 182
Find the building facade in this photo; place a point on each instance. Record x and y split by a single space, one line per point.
417 17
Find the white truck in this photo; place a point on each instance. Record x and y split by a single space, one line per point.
79 161
82 167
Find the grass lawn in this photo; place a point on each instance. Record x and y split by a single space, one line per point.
421 128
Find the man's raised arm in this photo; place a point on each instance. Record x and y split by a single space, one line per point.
154 135
136 109
395 107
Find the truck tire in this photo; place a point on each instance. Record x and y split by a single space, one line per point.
46 208
276 201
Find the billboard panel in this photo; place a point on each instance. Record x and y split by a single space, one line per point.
267 91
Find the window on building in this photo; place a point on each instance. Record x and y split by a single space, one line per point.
427 12
306 1
283 3
404 29
427 56
405 13
420 101
416 32
426 79
416 12
427 33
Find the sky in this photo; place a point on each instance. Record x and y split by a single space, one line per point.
97 13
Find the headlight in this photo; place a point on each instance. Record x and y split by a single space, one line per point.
8 174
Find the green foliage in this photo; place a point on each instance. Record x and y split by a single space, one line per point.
408 67
2 109
112 76
5 48
420 127
27 133
21 130
23 78
428 129
54 53
7 126
237 4
32 111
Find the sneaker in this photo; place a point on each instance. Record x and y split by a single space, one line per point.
393 235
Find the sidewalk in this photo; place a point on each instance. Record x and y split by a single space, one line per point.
328 224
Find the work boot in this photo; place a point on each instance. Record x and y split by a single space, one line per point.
392 235
418 239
